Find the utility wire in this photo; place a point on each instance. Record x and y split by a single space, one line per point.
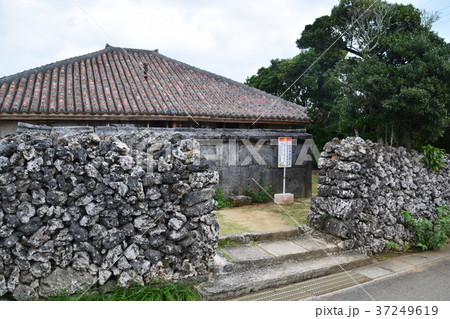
315 61
132 59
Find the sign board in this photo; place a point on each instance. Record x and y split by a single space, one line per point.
284 151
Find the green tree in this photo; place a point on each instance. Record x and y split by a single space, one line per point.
400 92
355 26
307 81
384 74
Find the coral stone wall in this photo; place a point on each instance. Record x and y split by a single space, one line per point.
76 210
363 187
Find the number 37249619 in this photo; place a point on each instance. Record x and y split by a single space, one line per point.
407 310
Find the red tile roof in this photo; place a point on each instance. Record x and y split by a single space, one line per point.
132 84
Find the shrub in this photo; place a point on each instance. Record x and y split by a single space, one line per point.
430 234
406 246
444 218
222 201
433 157
263 193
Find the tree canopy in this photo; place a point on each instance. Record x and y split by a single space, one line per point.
382 73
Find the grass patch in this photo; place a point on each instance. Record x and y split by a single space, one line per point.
315 186
154 291
228 242
298 211
224 254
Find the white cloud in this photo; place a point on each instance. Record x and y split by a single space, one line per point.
232 38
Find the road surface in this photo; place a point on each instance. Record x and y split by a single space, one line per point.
425 283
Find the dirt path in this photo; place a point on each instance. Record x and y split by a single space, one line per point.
261 217
268 216
251 219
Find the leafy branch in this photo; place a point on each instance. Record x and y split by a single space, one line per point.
433 157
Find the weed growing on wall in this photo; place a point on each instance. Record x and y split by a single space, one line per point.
391 245
222 201
430 234
433 157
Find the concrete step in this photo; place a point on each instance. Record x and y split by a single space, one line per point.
257 253
271 235
277 274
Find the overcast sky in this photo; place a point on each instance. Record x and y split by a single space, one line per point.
232 38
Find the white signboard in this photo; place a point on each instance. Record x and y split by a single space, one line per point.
284 151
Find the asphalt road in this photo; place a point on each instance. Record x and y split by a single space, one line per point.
425 283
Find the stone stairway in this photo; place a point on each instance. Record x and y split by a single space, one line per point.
252 262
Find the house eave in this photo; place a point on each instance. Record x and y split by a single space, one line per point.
138 117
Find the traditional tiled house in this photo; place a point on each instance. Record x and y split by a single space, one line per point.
143 88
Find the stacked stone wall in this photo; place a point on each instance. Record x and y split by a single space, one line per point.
77 210
364 186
